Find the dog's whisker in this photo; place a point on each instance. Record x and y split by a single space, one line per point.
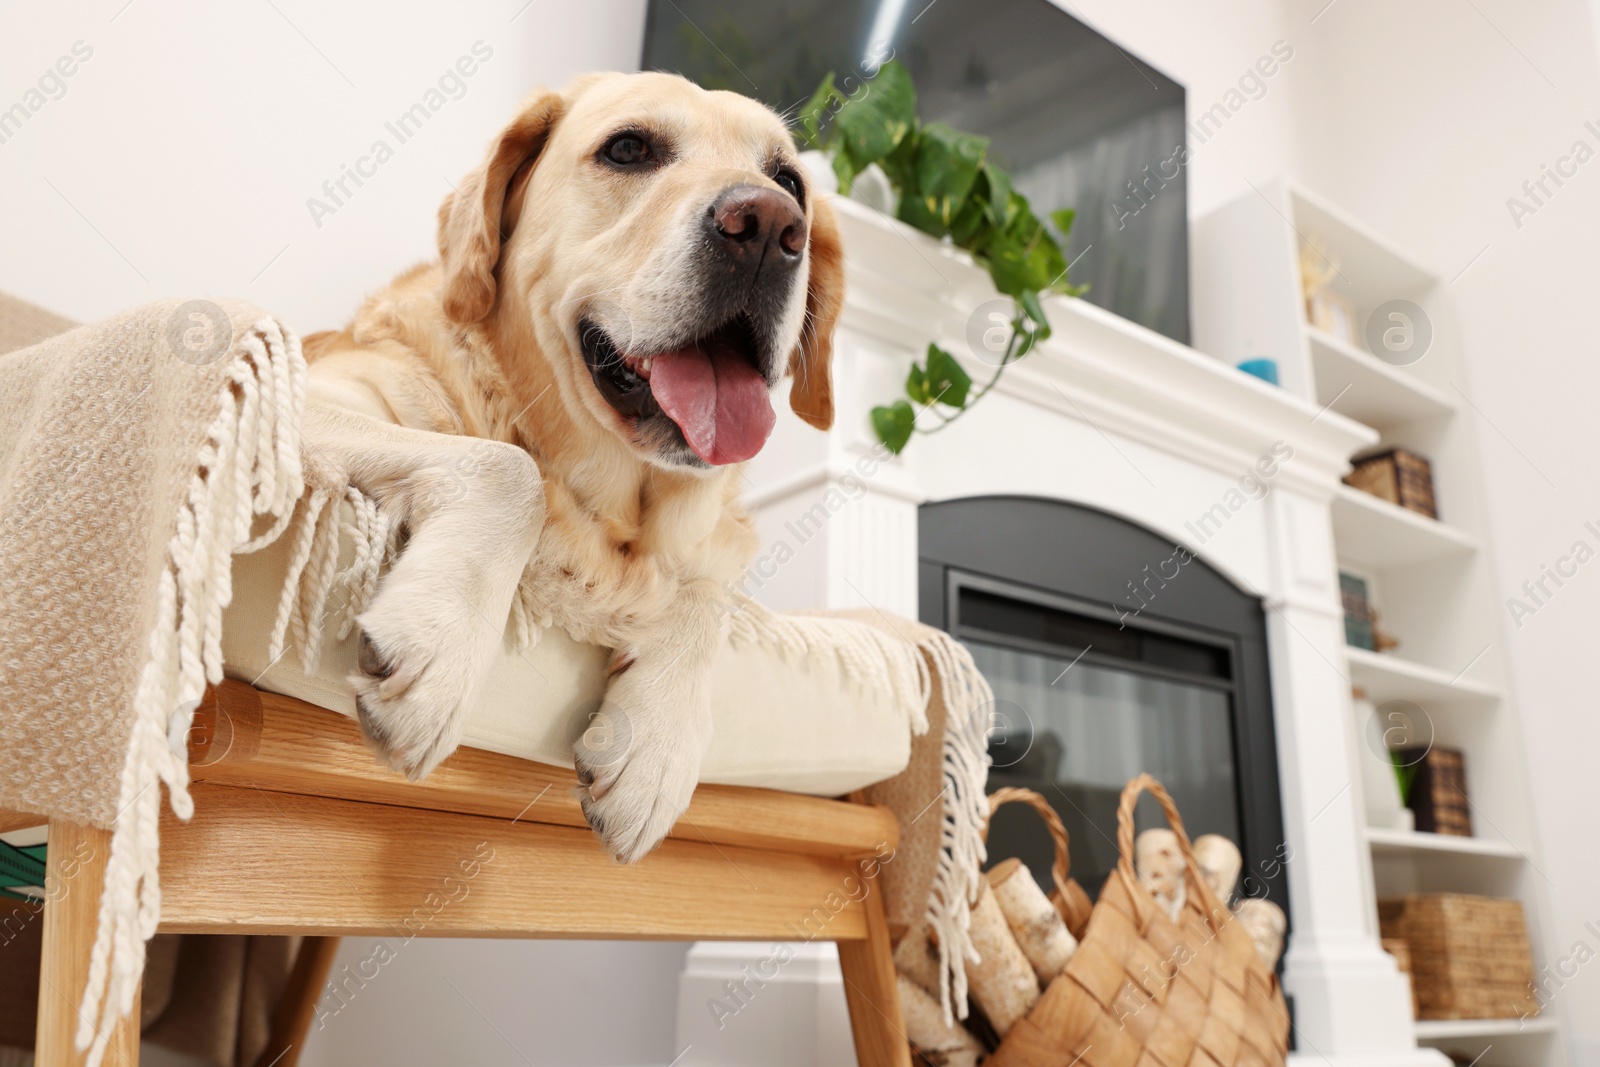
589 296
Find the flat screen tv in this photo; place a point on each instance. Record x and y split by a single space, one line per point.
1080 122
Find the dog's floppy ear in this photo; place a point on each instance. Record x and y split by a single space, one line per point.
472 218
811 394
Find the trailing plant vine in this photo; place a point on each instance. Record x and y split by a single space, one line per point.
947 187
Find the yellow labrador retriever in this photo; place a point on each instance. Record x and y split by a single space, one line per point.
622 281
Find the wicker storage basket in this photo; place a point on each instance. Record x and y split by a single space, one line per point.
1399 476
1145 990
1470 957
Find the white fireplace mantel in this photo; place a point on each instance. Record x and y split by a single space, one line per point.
1110 415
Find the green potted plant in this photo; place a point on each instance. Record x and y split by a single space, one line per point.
948 187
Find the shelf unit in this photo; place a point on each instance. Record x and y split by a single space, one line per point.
1431 580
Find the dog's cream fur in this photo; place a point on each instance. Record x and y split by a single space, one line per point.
459 397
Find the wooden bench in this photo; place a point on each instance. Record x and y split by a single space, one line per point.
297 830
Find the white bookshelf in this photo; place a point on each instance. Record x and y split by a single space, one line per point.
1430 580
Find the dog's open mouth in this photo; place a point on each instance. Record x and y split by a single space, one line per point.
711 387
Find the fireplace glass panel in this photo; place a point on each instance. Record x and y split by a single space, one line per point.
1077 731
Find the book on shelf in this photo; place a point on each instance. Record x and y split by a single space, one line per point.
1438 792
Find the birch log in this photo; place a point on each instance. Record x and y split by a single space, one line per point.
917 957
941 1043
1002 981
1033 919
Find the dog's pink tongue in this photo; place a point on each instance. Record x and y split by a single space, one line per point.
717 398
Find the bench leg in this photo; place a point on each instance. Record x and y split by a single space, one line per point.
869 990
75 867
298 1006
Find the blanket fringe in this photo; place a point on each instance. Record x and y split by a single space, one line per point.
968 703
317 527
906 667
249 466
866 656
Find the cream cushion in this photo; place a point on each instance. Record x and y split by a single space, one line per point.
780 724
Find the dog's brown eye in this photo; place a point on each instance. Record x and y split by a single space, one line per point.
627 150
790 182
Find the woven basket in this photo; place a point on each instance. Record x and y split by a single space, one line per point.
1145 990
1470 957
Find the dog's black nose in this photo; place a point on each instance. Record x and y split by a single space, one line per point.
756 226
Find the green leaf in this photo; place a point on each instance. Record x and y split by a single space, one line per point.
947 383
917 385
844 169
893 424
878 114
1024 256
1064 219
998 204
973 225
899 165
941 178
1405 775
1009 267
948 162
1030 304
808 131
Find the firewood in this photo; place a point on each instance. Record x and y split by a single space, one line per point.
917 957
1002 981
940 1043
1034 921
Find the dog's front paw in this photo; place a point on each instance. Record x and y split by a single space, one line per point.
414 682
637 768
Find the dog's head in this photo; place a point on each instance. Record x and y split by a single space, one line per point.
664 245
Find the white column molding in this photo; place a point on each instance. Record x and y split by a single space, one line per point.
1350 998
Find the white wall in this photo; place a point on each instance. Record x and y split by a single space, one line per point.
500 1004
181 156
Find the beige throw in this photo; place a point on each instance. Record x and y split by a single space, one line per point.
135 455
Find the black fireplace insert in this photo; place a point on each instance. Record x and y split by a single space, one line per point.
1111 651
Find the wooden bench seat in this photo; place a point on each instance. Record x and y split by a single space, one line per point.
297 830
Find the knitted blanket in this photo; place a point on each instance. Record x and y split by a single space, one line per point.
138 455
135 455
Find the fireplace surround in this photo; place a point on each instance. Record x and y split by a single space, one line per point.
1169 450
